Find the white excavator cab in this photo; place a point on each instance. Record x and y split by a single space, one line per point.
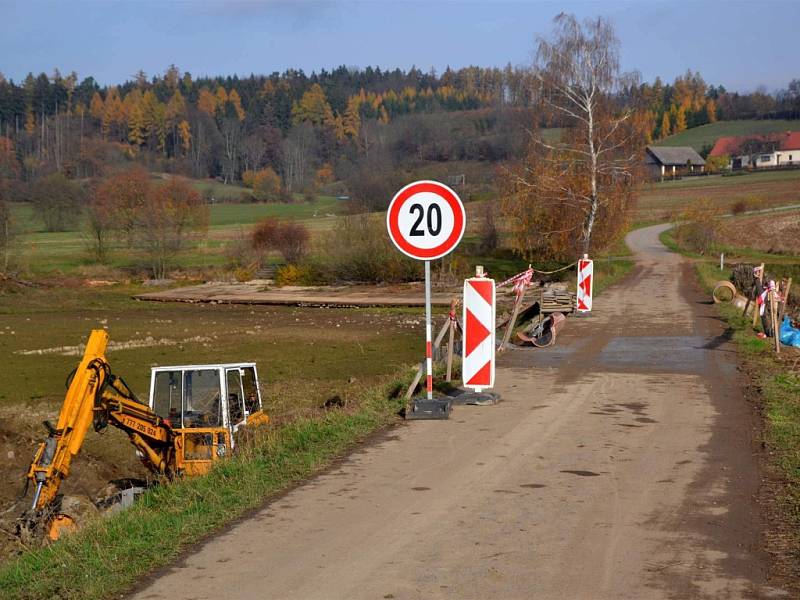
221 396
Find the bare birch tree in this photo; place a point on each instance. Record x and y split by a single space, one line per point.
572 190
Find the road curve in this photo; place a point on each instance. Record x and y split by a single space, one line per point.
618 465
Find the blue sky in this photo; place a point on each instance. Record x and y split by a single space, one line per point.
739 44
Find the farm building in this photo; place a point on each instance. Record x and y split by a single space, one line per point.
760 151
671 161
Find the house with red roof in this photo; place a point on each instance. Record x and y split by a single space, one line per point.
759 151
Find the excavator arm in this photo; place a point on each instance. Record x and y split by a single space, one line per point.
96 397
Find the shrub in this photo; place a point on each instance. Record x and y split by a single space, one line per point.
295 275
739 207
292 241
289 238
265 183
698 232
264 234
324 175
716 164
358 249
242 274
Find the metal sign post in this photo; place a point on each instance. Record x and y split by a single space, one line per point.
428 337
426 221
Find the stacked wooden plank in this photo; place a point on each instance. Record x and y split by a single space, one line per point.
557 300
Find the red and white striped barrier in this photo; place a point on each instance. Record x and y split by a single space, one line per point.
585 283
479 332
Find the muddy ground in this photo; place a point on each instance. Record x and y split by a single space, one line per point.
304 356
776 234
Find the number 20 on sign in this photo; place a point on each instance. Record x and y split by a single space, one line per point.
426 221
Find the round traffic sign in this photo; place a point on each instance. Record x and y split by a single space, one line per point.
426 220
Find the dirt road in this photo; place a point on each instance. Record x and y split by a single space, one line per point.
618 465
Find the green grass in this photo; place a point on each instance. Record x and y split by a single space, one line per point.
706 135
220 215
110 555
302 354
251 213
41 253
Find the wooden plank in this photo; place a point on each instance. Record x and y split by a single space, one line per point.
773 312
512 321
784 304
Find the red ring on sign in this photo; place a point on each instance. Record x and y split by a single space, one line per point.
393 219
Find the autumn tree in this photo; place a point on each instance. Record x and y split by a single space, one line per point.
57 201
571 197
6 235
117 202
313 107
265 183
9 176
100 221
666 130
173 214
158 219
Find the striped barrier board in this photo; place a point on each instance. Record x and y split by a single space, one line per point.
583 298
479 333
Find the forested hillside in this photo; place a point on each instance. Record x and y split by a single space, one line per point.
294 131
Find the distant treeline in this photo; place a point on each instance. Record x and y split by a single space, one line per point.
293 132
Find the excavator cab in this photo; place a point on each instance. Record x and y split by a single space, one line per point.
206 405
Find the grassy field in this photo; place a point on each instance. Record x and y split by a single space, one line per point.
706 135
664 201
304 355
41 253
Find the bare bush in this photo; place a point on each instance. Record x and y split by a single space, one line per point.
289 238
57 201
699 228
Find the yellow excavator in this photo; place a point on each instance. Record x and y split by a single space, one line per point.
189 424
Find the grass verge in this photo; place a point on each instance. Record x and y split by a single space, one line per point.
778 395
110 555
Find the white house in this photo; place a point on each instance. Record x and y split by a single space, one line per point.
759 151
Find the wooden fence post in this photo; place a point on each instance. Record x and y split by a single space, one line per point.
773 312
785 301
513 321
452 331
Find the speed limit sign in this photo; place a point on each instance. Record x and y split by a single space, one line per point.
426 220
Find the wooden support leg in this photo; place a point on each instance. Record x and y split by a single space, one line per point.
421 369
512 322
450 340
773 310
785 295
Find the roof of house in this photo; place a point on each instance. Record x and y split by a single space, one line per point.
675 155
731 145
